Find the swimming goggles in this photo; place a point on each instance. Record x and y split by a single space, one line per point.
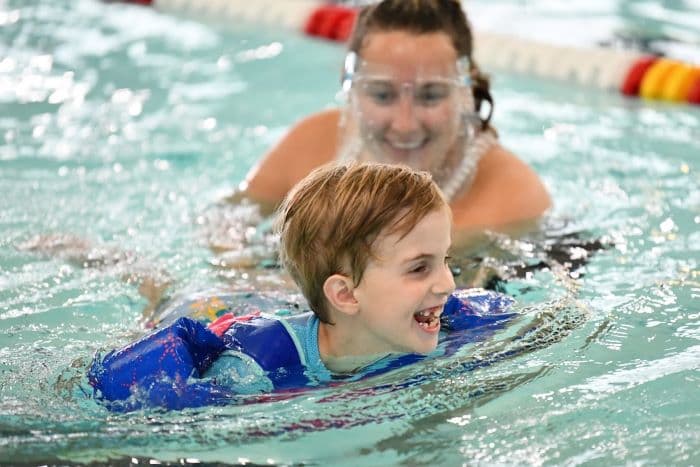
352 75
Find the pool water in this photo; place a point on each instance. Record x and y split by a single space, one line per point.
123 127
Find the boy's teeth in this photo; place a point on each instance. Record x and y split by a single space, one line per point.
429 323
425 317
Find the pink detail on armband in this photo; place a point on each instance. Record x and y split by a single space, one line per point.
224 322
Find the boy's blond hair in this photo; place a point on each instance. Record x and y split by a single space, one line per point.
329 221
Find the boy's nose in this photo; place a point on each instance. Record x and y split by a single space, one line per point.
445 284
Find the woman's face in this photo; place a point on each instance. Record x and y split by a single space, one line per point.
408 98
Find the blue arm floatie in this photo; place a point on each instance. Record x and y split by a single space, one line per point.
156 370
473 315
467 309
469 315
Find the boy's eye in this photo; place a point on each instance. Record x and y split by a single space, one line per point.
419 269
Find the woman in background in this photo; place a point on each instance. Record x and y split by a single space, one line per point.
415 96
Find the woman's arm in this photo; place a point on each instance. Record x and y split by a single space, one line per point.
236 229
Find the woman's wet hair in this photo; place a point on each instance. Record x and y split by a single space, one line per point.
425 17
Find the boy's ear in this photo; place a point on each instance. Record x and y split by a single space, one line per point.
338 290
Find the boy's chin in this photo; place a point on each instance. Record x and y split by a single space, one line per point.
425 349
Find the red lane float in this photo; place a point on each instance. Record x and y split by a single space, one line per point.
693 96
331 22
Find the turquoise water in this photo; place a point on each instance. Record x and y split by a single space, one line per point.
123 127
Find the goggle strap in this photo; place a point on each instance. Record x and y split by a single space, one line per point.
482 95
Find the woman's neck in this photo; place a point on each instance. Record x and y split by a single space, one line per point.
455 173
447 166
458 178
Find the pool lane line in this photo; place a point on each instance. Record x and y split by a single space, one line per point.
630 73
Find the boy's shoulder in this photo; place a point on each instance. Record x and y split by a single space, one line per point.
279 345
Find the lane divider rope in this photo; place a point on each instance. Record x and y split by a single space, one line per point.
630 73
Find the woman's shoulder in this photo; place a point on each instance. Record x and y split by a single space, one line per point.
323 117
505 191
511 176
318 130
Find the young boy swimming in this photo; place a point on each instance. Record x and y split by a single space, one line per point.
368 245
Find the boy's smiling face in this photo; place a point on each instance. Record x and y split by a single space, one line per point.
404 288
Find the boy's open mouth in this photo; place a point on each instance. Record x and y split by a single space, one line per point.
429 318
